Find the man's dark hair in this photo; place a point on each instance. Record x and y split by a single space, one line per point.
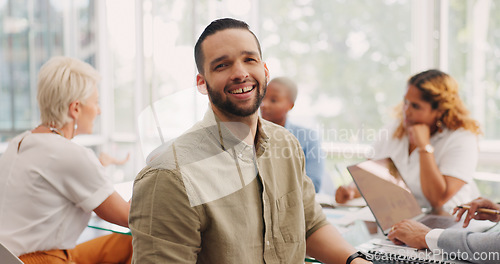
214 27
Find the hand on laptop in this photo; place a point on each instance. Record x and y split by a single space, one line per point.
475 211
409 232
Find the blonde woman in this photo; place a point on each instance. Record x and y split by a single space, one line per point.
49 185
433 144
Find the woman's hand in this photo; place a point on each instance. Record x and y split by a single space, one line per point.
345 193
106 159
419 135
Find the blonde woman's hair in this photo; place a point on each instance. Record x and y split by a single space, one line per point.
61 81
441 91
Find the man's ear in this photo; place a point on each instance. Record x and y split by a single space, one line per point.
201 84
74 109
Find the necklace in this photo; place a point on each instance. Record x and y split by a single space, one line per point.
54 130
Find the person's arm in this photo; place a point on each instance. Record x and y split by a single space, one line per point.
323 241
328 246
314 160
165 227
473 211
436 187
477 247
346 193
107 160
114 210
409 232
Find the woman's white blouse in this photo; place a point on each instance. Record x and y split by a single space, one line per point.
48 190
456 154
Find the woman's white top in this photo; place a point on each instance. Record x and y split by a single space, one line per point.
48 190
455 152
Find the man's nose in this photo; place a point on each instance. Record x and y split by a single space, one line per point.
239 71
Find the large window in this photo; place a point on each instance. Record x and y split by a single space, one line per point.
472 57
150 49
351 60
30 33
474 52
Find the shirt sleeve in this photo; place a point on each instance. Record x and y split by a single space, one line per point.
432 239
472 246
165 227
459 159
315 218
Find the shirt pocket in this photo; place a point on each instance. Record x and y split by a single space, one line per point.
291 218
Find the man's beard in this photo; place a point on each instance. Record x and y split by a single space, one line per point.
230 107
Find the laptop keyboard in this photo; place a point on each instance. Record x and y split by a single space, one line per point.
378 257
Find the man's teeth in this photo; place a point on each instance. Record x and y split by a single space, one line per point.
242 90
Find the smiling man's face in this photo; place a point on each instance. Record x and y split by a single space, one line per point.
234 73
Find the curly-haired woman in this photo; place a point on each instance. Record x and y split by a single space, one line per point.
433 143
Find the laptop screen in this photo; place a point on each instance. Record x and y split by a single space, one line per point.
6 257
384 191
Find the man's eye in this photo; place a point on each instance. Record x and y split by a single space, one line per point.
219 66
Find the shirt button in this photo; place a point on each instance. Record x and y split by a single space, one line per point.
240 155
267 242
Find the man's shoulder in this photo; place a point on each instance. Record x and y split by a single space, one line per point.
198 143
274 131
269 126
278 134
459 133
166 154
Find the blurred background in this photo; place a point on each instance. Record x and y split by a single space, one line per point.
351 60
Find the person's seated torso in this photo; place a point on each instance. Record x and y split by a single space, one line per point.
48 190
455 153
311 145
250 203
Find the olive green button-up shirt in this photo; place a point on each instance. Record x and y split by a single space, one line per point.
209 197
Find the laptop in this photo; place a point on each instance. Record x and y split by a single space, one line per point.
7 257
389 198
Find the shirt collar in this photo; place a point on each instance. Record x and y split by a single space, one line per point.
262 137
228 140
439 135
